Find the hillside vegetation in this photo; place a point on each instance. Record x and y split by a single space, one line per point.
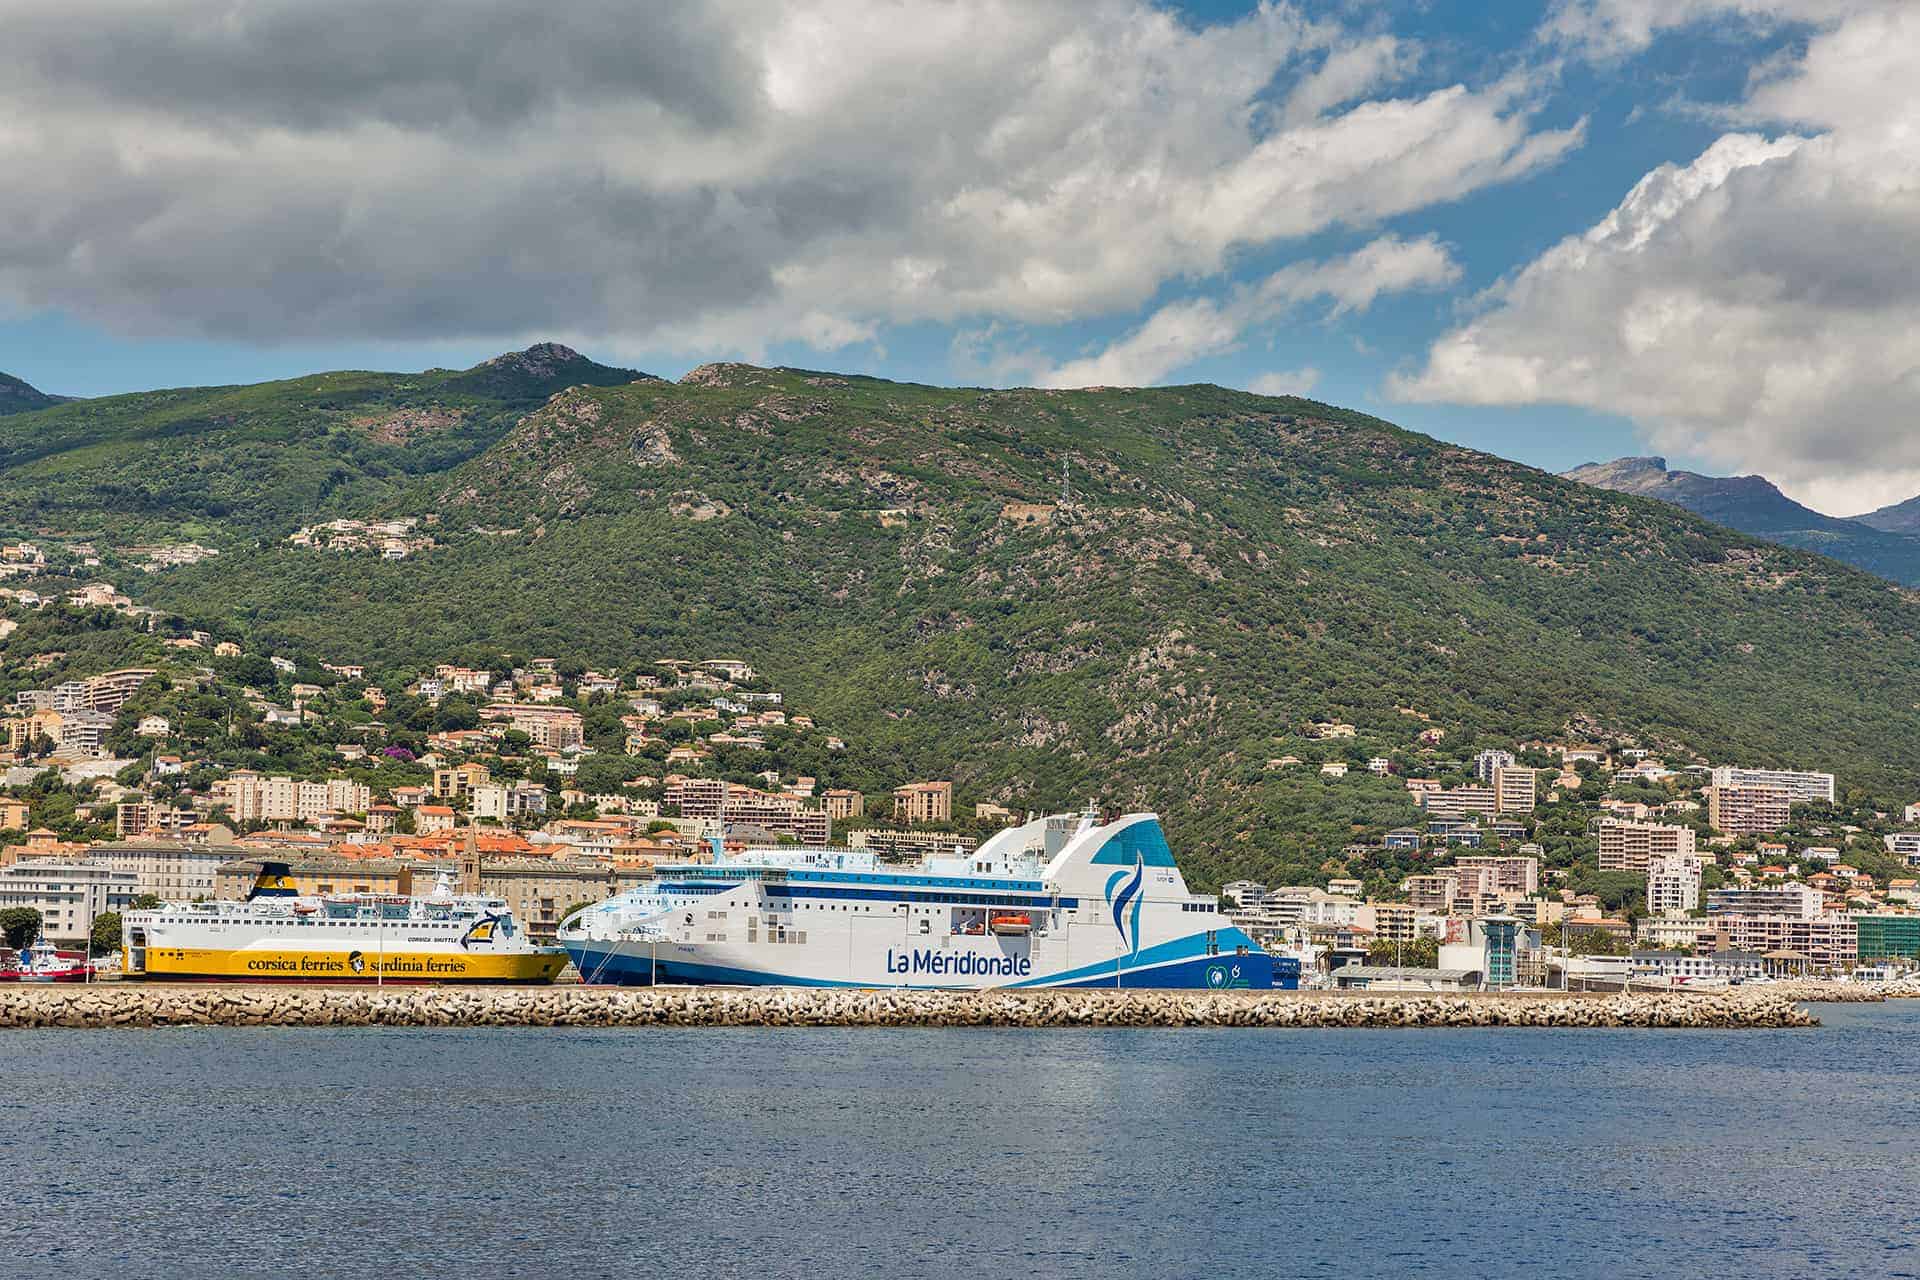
222 464
1228 568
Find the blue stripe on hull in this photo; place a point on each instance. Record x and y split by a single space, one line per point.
1252 971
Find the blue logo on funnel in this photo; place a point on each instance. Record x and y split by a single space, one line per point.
1127 895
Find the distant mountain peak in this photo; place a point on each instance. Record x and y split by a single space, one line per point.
539 360
543 369
17 396
1878 543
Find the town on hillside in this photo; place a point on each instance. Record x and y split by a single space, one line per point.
552 785
547 786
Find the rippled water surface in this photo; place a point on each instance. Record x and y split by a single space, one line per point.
388 1152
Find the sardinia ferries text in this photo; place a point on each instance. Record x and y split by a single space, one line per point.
958 964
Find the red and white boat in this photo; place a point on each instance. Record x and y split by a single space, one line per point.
43 963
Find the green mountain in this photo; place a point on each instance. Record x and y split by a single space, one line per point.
1752 504
230 464
17 397
1223 570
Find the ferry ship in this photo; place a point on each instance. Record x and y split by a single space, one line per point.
280 935
1062 901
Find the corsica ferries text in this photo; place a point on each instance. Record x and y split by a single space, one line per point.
356 964
958 964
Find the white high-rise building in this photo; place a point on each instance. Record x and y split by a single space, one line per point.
1673 884
1801 788
1487 762
68 895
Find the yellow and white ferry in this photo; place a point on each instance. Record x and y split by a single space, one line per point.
277 934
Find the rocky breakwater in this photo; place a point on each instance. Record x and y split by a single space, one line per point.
133 1005
1824 991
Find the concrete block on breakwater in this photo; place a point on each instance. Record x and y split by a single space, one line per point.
140 1005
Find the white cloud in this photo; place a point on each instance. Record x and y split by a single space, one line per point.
1180 333
1758 307
1286 382
712 176
1614 28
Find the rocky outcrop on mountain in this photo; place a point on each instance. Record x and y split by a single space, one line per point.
18 397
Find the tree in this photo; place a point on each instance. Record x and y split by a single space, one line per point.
1420 953
148 902
106 934
20 926
573 911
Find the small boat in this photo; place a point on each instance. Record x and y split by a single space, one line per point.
43 963
1019 923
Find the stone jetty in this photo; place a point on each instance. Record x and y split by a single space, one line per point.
143 1005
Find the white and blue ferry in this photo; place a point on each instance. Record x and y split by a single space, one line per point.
1062 901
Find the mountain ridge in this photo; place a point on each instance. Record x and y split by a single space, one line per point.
1755 505
1899 517
229 463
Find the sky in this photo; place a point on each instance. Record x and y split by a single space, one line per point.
1559 231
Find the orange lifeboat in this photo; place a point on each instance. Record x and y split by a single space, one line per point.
1015 924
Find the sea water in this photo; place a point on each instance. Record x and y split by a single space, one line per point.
979 1153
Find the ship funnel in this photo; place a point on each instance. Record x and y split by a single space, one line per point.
274 881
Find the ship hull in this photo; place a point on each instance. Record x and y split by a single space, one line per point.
639 964
265 964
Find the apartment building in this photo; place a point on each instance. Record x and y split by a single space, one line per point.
1827 941
107 693
540 891
1512 874
1742 811
842 803
923 802
1801 787
175 870
1431 894
1460 801
555 728
506 801
1394 921
1802 900
911 846
69 895
1515 789
74 732
457 780
1631 846
1487 762
1679 931
249 797
731 803
1673 884
134 818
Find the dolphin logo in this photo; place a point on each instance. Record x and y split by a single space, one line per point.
482 931
1128 895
